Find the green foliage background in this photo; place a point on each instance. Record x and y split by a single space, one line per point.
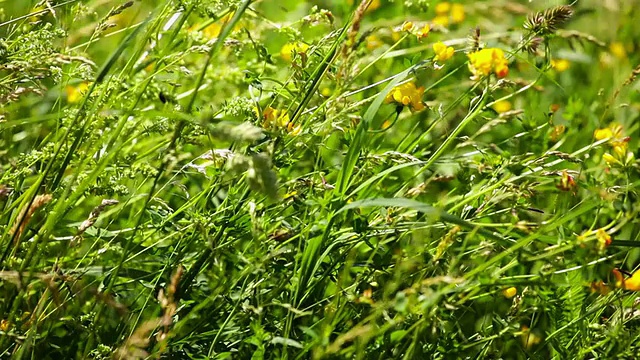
148 210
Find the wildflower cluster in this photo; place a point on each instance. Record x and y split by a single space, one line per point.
407 95
483 62
76 92
274 119
600 236
419 32
288 50
617 142
447 13
443 52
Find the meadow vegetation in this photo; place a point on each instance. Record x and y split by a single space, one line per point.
375 179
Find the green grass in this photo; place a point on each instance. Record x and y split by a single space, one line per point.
174 185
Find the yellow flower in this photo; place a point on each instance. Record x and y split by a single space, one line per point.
443 8
75 93
529 338
441 20
273 118
294 129
620 149
443 52
632 283
288 49
396 35
407 26
617 141
482 62
373 42
424 32
407 95
502 106
448 13
601 134
610 159
457 13
560 65
212 31
603 238
278 119
510 292
557 131
618 50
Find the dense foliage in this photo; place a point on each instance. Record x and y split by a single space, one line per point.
288 179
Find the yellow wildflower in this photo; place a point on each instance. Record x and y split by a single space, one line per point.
396 35
618 50
274 118
294 129
617 141
457 13
443 8
620 149
212 31
75 93
510 292
557 131
603 238
447 13
407 26
482 62
424 32
373 42
443 52
613 132
560 65
502 106
407 95
601 134
288 49
610 159
529 338
441 20
632 283
278 119
4 325
567 183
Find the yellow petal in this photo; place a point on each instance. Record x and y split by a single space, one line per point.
510 292
442 8
601 134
